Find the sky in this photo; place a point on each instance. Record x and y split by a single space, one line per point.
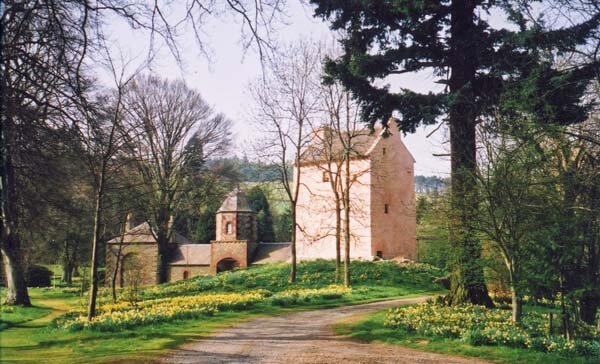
222 77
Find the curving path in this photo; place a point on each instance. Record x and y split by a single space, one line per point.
303 337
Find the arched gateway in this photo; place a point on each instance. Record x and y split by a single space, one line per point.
227 264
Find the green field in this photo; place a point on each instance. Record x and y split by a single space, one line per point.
29 336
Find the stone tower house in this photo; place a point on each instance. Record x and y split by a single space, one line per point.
236 233
382 198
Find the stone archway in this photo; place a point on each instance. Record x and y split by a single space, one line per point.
227 264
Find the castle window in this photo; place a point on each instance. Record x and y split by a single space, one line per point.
383 151
386 208
186 274
229 228
325 176
379 254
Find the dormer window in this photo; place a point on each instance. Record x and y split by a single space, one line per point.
229 228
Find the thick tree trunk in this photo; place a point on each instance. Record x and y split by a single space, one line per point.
163 235
10 246
162 270
467 281
16 288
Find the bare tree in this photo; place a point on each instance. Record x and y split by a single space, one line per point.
337 138
285 100
46 48
118 255
168 117
103 136
345 139
508 176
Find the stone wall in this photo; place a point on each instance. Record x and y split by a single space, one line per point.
394 232
138 264
176 272
316 213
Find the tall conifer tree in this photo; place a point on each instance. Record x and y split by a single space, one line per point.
484 68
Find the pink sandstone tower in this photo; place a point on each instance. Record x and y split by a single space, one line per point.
382 198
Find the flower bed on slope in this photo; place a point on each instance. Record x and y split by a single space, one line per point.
478 325
125 315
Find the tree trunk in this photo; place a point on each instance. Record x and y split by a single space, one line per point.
590 300
162 271
66 273
67 266
16 289
10 246
338 239
95 245
517 304
566 321
467 281
347 222
116 270
293 247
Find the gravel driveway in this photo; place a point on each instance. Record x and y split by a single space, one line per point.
303 337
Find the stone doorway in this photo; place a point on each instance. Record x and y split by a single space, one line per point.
227 264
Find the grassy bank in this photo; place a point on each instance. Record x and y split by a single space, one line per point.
372 328
29 335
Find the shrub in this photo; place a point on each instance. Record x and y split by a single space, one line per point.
39 276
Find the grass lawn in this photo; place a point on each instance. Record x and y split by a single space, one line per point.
29 337
370 329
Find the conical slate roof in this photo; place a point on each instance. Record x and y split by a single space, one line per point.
235 201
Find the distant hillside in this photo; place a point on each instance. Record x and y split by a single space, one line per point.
250 171
431 184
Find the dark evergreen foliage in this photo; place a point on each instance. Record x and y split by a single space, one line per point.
258 202
485 69
39 276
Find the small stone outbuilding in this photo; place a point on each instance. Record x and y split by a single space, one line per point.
235 246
